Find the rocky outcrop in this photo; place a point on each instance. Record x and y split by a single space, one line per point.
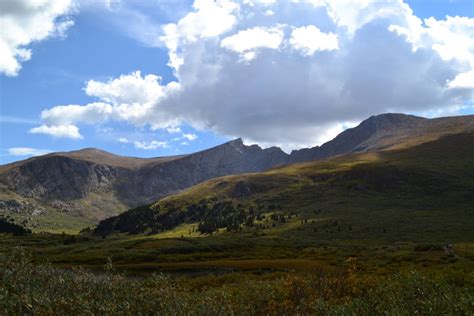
61 178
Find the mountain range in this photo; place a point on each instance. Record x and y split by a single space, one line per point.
89 185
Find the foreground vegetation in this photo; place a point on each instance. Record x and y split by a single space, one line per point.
7 225
27 288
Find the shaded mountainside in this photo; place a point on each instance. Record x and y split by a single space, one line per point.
424 191
72 176
94 184
96 156
383 132
91 184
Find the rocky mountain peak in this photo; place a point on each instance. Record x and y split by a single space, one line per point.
237 142
363 137
392 120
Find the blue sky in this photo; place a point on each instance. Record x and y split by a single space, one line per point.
233 73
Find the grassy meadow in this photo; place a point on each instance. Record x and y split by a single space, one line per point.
42 289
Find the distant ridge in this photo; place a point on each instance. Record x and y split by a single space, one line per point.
415 191
385 131
98 156
93 184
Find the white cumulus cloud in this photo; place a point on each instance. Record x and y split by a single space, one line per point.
127 89
154 144
309 67
309 39
190 137
247 41
27 151
463 80
452 38
26 21
131 98
58 131
70 114
208 19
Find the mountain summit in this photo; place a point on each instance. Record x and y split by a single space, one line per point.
385 131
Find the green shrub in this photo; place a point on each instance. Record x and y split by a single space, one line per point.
41 289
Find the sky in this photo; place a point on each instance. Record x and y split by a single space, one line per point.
158 78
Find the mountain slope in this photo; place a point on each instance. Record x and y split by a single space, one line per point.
423 192
87 185
386 131
94 184
96 156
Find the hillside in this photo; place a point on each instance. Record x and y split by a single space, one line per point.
425 191
384 132
96 156
391 211
69 191
88 185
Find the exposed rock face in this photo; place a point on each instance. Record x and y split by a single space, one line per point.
57 179
157 180
13 206
95 184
